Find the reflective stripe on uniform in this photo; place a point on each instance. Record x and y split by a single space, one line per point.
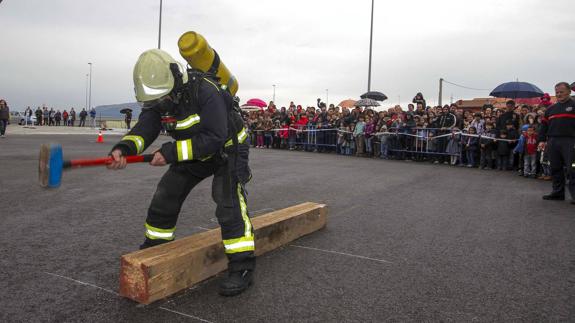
158 233
184 148
138 141
212 83
188 122
245 243
242 136
239 245
244 209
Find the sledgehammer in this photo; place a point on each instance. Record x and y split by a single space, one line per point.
52 163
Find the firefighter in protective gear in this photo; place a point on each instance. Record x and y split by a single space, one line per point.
209 140
557 136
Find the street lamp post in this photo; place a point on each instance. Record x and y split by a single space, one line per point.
160 27
90 91
86 102
370 48
274 96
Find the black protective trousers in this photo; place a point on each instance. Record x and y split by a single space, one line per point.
561 152
231 211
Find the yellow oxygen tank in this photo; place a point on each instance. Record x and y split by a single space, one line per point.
197 52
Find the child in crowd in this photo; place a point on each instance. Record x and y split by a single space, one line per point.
478 123
341 138
368 135
260 133
359 136
421 140
276 134
284 135
519 149
471 144
503 151
487 145
454 146
383 142
268 133
530 153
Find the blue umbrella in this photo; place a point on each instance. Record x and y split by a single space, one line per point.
517 90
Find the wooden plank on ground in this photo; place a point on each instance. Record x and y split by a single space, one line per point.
155 273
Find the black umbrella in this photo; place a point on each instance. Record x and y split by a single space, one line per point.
125 110
374 95
517 90
366 103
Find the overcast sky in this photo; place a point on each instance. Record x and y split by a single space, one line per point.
304 47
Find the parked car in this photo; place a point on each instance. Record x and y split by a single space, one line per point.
17 117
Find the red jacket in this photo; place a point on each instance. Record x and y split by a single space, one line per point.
302 122
531 144
284 133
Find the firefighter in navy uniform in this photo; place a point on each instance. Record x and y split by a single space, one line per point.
558 134
209 140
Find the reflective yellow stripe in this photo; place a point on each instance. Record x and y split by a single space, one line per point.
158 233
188 122
239 245
184 148
242 136
206 158
244 209
236 240
212 83
138 141
242 249
245 243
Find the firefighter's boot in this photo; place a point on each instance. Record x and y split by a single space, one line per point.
236 282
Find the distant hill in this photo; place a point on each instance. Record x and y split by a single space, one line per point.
112 111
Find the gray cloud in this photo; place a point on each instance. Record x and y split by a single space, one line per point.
304 47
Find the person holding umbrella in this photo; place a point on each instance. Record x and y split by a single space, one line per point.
508 115
128 116
558 134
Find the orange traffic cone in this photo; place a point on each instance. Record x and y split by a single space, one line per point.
100 139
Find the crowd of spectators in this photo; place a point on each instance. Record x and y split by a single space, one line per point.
503 139
54 117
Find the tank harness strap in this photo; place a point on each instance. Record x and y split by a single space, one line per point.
215 64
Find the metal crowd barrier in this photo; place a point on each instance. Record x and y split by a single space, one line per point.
396 142
420 141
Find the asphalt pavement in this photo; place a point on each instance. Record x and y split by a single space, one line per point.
405 242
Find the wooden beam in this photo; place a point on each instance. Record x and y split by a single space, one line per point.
156 273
